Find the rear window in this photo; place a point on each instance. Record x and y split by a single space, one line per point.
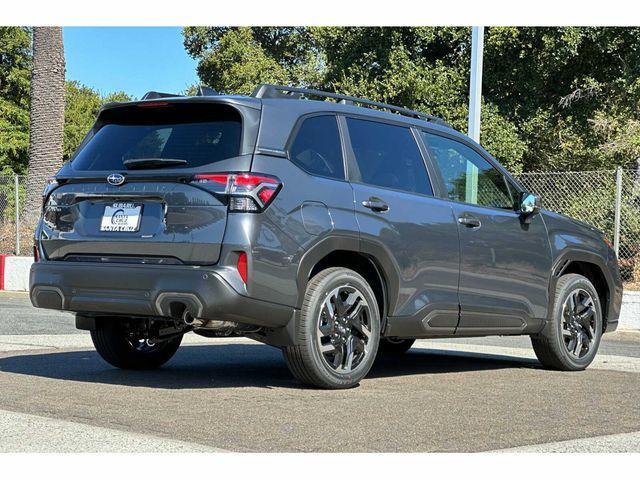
200 134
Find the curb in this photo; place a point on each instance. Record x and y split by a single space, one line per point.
2 261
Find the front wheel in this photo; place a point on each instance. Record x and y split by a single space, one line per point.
338 331
118 344
571 338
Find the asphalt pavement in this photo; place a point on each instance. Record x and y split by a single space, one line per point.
470 395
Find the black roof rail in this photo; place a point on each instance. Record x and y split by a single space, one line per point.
280 91
154 95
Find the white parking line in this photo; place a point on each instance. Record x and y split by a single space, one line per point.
20 432
618 443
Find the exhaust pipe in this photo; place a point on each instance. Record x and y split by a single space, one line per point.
189 319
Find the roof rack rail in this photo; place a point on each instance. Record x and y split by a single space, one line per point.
280 91
154 95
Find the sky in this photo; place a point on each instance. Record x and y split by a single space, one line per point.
130 59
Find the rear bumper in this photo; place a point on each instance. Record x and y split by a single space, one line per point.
148 291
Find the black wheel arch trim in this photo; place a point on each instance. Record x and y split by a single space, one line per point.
567 257
376 254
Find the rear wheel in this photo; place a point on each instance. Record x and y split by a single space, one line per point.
571 339
395 346
122 346
338 331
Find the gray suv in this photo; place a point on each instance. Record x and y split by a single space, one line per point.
332 227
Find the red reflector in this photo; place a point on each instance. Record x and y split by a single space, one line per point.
265 194
242 266
213 178
36 255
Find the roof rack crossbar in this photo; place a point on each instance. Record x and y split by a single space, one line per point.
280 91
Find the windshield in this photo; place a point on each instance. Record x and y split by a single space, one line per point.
183 135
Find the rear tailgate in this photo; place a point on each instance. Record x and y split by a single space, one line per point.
126 196
167 223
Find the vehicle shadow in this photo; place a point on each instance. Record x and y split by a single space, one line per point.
233 366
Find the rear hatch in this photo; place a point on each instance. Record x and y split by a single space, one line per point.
129 193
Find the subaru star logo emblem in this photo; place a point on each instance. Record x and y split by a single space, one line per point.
115 179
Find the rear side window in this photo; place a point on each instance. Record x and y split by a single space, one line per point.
199 134
388 156
317 149
468 177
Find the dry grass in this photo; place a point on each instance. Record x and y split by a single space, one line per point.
8 238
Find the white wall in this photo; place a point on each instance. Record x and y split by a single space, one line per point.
16 273
630 313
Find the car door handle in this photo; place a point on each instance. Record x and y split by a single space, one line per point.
469 221
376 205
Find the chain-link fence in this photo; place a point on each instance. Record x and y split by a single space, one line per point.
15 236
607 199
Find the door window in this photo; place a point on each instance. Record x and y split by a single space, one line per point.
468 177
388 156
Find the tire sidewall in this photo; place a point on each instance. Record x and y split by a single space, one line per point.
573 283
336 279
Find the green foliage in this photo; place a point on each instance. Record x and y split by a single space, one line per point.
81 108
81 103
15 63
554 98
237 64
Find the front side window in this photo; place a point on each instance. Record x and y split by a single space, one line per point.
468 177
317 149
388 156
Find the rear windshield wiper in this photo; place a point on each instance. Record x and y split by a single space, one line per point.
133 163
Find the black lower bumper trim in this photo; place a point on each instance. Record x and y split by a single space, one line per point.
147 290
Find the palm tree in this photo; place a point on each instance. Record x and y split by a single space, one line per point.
46 116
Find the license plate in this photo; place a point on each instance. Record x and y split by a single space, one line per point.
121 217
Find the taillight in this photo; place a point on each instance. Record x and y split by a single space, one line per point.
242 266
248 192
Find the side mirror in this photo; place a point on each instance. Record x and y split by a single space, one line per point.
530 204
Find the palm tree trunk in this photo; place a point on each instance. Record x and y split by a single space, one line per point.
46 116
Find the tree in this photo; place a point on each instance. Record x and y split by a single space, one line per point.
15 67
420 68
82 105
553 98
46 116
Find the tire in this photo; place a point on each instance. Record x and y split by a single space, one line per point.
111 341
338 336
571 330
395 346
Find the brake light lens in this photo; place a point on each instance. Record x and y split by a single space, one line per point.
152 104
247 192
242 266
